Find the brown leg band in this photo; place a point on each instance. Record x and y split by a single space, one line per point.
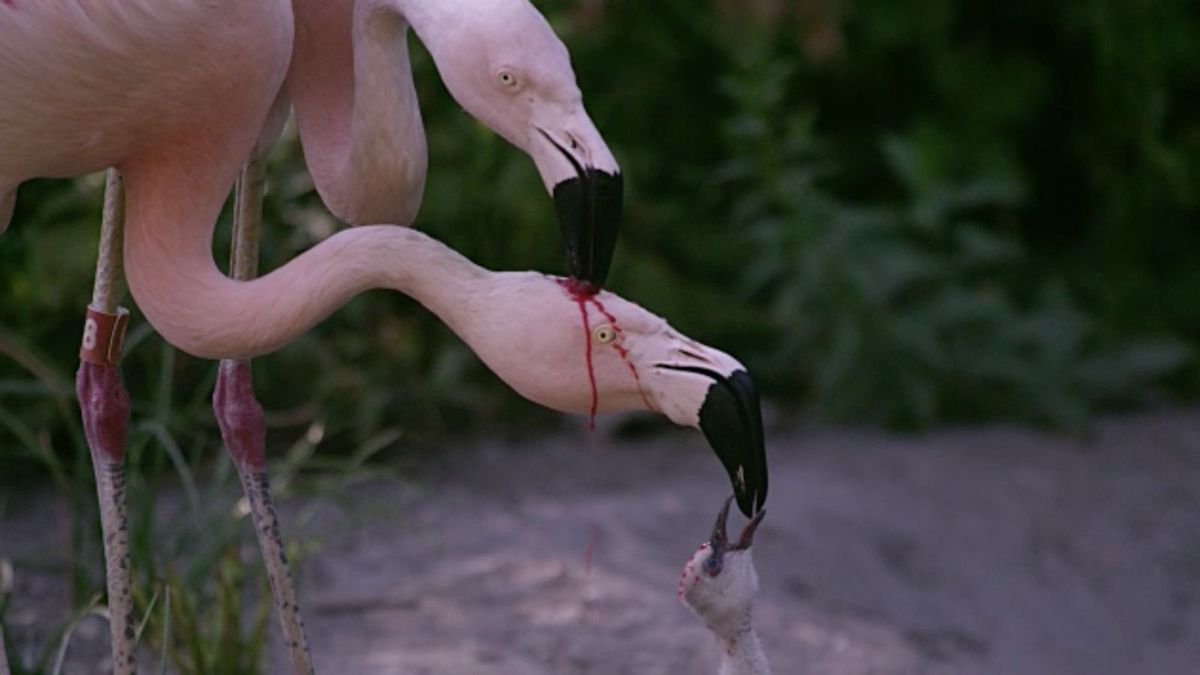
103 336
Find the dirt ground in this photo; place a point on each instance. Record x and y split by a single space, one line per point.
991 550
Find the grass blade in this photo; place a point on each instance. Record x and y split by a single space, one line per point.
164 437
145 618
70 631
166 634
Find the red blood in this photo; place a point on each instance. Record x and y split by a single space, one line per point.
579 292
579 288
621 350
583 292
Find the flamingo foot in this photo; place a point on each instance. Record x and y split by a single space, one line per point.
105 406
241 420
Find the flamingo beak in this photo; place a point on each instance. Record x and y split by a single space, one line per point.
731 419
719 541
588 205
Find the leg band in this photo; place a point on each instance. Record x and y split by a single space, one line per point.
103 336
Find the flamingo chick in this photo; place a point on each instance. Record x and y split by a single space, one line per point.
719 583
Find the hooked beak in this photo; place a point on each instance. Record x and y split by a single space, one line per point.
719 542
731 419
587 199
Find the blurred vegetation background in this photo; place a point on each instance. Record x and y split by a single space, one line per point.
902 212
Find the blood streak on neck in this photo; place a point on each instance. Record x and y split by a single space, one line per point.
581 292
622 350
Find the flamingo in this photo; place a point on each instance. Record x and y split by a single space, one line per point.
718 583
177 94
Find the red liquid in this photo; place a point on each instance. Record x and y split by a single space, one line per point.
582 293
578 288
621 350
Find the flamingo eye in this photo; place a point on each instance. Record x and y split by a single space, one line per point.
604 334
508 79
712 566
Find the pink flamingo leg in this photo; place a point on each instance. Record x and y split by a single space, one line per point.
241 420
240 417
105 407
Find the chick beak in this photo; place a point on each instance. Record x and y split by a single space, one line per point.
719 541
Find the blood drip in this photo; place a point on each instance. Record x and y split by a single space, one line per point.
621 350
581 292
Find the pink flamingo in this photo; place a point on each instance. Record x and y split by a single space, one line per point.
177 94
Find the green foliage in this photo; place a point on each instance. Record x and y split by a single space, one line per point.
900 212
910 311
904 232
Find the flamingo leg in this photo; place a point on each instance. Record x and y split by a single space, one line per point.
104 404
241 420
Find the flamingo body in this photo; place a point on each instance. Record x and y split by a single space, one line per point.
100 83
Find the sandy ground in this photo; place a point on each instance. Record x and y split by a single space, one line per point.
993 550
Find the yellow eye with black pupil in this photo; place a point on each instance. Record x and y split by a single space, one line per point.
508 79
604 334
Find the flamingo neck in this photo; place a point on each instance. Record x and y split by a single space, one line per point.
741 651
356 108
177 285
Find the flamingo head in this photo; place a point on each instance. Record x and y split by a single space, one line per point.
503 63
560 345
719 581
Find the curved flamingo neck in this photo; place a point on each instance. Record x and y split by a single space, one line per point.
356 108
169 219
741 651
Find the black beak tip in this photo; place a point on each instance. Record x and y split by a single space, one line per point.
589 217
747 501
731 419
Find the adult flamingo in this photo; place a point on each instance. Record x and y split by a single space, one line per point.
101 83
